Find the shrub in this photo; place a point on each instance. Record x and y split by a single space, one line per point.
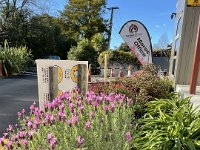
15 59
109 87
85 51
169 124
70 122
120 57
147 85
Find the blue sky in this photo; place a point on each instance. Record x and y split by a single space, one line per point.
154 14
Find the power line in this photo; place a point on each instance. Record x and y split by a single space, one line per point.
111 22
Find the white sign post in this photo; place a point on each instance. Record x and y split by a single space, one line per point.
137 37
67 77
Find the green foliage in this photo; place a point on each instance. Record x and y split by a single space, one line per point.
45 37
147 85
14 21
124 47
83 19
120 57
15 59
99 42
169 124
109 87
84 52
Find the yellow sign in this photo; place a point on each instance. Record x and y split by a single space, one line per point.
74 74
194 2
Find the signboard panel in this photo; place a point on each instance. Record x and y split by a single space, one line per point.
137 37
67 77
193 2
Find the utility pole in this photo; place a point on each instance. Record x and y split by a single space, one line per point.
111 22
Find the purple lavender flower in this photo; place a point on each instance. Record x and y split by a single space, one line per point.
19 114
128 136
53 142
91 115
129 101
79 103
49 137
15 137
87 125
105 108
71 106
121 102
37 121
2 141
81 108
24 142
75 120
9 144
23 111
62 107
32 108
69 122
43 123
95 104
112 107
52 119
10 128
99 98
80 141
30 124
16 126
22 134
30 134
5 135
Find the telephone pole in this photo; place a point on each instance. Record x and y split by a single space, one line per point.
111 22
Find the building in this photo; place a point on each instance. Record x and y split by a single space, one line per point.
183 48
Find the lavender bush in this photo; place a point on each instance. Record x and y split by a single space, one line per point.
72 122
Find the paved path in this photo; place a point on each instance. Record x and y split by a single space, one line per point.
16 92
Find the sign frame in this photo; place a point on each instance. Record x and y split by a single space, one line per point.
150 57
193 3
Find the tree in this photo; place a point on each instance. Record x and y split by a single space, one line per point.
84 51
163 41
83 19
124 47
14 18
99 42
45 37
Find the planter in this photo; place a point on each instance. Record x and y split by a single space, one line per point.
2 71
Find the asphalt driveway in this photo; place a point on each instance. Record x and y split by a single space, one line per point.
16 93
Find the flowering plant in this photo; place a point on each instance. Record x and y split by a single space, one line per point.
98 121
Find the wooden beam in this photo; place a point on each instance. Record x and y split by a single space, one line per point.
83 78
53 82
195 68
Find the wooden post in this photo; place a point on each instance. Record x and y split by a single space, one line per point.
129 70
53 82
111 73
83 78
120 72
195 68
89 73
105 68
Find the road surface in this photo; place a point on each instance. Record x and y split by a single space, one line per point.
16 93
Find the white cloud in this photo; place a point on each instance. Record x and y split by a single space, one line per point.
157 26
160 25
